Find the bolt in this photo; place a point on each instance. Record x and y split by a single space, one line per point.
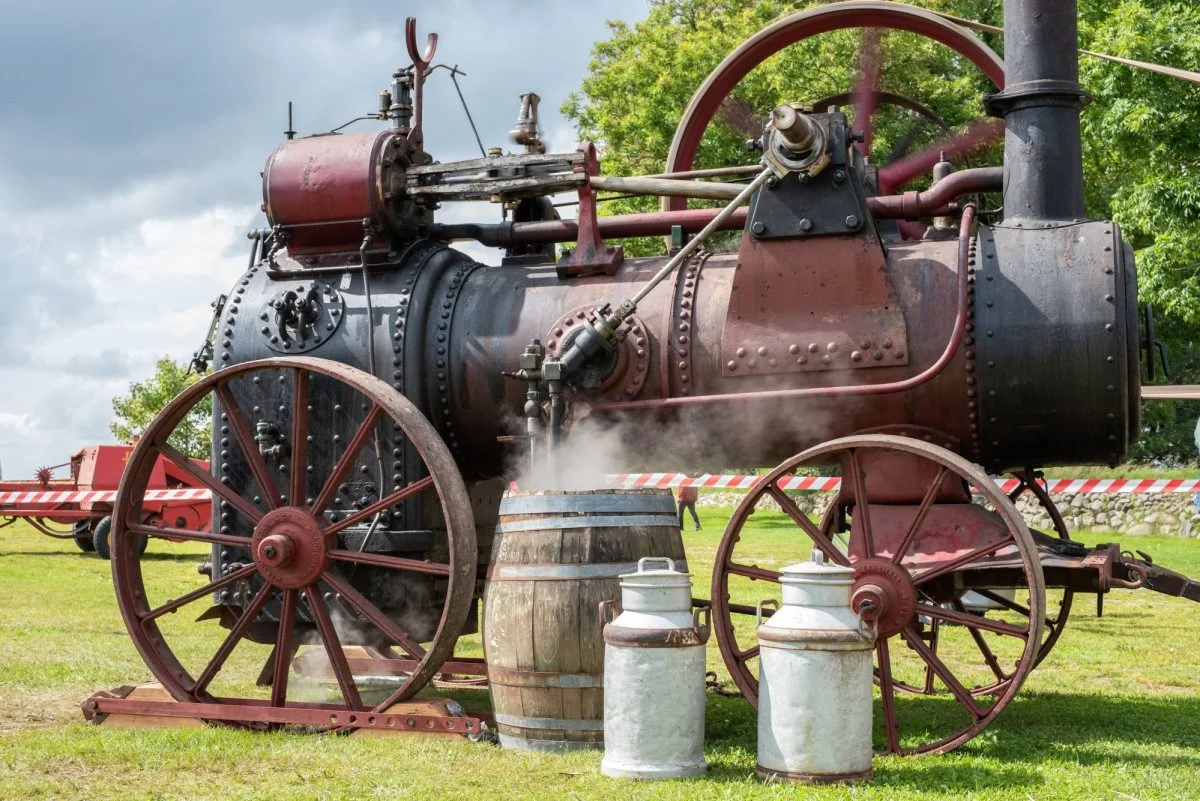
852 221
805 224
758 228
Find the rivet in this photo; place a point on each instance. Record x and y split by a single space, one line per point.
731 365
855 356
741 352
812 347
762 350
826 358
877 355
794 349
831 347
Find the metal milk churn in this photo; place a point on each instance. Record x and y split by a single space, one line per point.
814 692
654 676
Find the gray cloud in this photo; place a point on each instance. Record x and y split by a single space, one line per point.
131 138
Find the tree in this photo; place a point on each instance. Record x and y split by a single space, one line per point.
135 410
1141 131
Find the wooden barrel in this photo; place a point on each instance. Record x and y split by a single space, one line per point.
555 557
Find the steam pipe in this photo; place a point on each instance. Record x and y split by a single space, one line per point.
926 375
1043 156
910 205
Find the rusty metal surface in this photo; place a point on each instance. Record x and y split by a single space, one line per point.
1055 371
320 188
325 717
812 305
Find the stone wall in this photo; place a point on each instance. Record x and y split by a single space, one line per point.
1169 514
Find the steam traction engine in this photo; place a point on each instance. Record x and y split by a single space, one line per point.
373 384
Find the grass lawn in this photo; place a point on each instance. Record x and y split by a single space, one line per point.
1114 712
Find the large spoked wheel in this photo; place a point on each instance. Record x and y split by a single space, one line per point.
915 562
304 557
834 524
1056 621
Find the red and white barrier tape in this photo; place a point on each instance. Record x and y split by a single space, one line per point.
98 496
815 483
1006 484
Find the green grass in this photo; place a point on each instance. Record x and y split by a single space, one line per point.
1114 713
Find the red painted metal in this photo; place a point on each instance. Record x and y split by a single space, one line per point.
319 189
591 255
325 717
858 390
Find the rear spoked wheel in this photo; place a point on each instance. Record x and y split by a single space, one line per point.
312 549
943 672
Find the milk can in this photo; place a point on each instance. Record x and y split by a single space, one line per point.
814 692
654 676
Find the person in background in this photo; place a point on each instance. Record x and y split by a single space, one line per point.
687 500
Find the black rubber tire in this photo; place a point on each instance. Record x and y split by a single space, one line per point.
82 529
100 539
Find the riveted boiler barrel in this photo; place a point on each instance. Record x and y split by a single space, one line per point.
556 556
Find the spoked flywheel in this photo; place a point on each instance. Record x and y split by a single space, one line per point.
918 546
343 521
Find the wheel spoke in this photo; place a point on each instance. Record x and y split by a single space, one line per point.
346 461
299 437
373 613
245 438
865 96
887 693
799 518
748 654
211 587
954 564
220 490
233 638
861 504
934 627
333 648
965 618
283 648
1011 605
984 649
971 139
166 532
956 688
753 572
391 500
393 562
922 512
1020 488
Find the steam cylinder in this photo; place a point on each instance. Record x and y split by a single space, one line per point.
654 677
814 702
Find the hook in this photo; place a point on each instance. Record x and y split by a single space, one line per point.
410 35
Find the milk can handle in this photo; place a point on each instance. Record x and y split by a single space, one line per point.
705 628
607 615
670 562
758 610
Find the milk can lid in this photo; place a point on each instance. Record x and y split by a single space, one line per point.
817 567
667 576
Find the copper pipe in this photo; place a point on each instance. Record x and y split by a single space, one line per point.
926 375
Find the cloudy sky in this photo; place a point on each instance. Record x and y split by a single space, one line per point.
131 137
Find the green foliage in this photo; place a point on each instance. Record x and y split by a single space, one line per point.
135 410
1141 132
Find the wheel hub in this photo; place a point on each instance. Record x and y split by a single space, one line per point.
290 548
888 588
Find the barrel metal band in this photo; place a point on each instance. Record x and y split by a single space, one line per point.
649 502
613 521
548 723
559 572
510 677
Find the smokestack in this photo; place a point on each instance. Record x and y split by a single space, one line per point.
1043 158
